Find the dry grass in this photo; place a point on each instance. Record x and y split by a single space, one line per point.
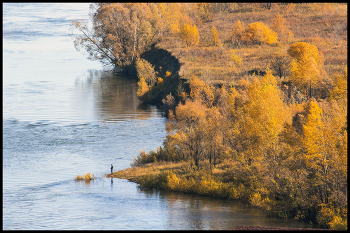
87 177
324 25
134 173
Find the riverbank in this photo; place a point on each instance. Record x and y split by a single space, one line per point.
246 136
184 177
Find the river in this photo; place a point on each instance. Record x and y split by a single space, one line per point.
63 116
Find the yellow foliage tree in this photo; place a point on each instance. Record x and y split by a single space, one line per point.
300 49
142 87
305 67
259 33
201 91
235 58
188 131
314 140
189 34
146 71
325 153
265 112
173 15
120 33
236 61
237 33
340 91
278 25
215 37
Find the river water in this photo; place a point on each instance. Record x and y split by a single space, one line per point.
64 116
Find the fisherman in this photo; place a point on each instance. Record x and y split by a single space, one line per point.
111 168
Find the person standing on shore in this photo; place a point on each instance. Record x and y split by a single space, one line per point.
111 168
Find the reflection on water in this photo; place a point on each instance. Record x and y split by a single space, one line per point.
193 212
113 98
100 96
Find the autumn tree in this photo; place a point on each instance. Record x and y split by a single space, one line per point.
201 91
120 32
146 71
305 67
236 36
142 89
314 139
189 34
321 135
279 25
187 133
216 125
147 78
280 65
299 49
215 37
205 11
324 158
235 59
258 33
339 93
264 114
173 16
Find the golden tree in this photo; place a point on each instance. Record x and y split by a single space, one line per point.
314 140
215 37
263 116
259 33
236 60
189 34
143 88
305 67
299 49
339 92
173 15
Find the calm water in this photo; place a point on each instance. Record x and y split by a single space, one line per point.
64 115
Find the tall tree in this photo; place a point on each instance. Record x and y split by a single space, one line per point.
187 133
215 37
305 67
120 33
264 115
